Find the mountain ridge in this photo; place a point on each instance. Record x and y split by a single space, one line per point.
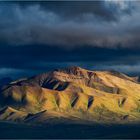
102 96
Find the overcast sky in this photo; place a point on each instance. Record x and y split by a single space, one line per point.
39 36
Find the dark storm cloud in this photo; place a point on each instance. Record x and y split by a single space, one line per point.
33 59
76 9
41 36
101 23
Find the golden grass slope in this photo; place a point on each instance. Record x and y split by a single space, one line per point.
11 114
103 96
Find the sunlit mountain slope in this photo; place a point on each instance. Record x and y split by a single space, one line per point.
72 94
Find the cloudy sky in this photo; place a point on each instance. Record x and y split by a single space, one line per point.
39 36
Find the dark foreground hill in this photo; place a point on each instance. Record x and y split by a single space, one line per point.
68 131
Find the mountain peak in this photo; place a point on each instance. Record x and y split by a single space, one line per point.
71 68
74 70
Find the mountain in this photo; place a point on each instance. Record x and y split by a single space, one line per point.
10 114
72 94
